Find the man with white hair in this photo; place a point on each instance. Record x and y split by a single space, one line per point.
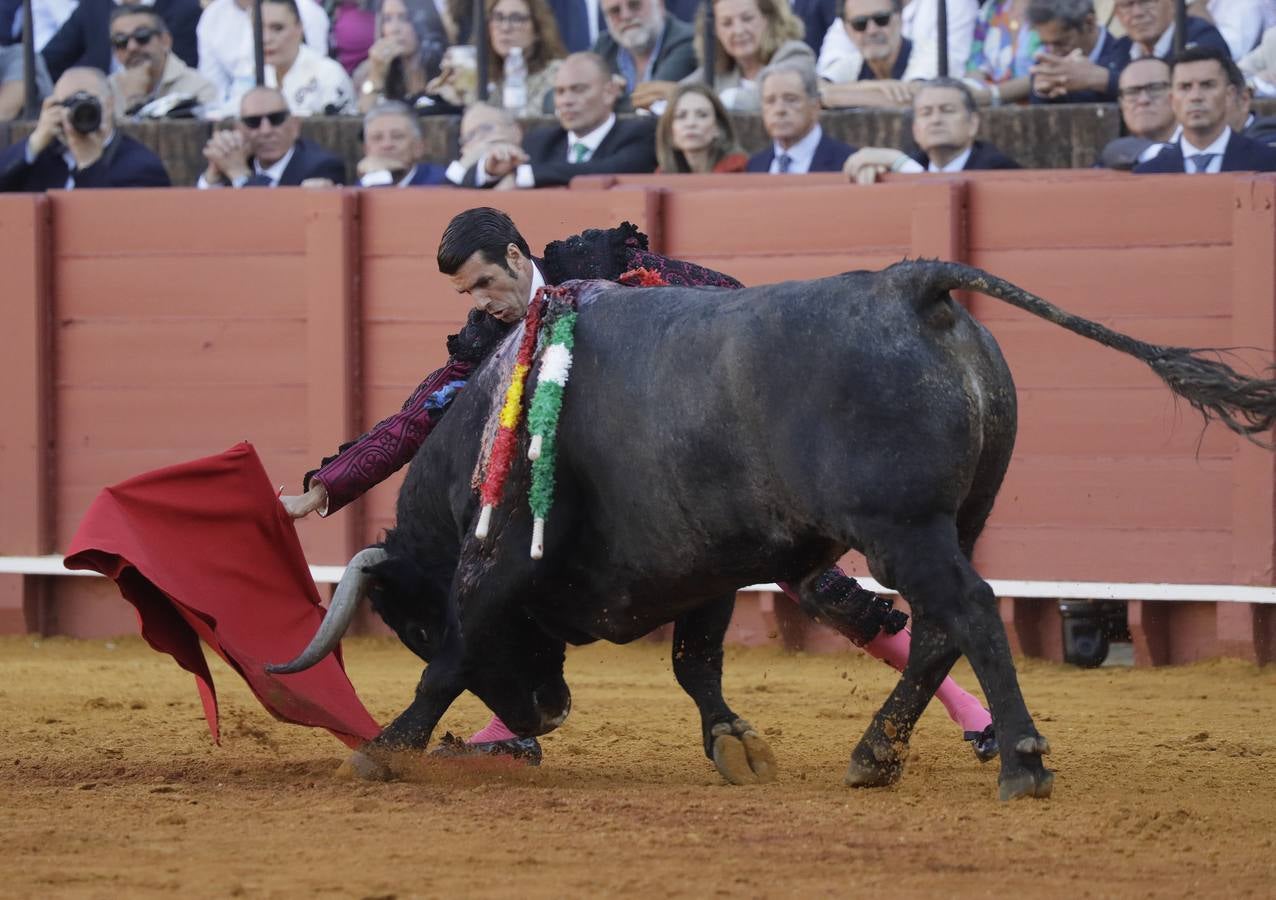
646 46
791 117
392 149
75 144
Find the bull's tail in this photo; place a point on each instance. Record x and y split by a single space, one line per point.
1245 405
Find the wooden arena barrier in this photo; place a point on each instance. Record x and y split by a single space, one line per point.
143 328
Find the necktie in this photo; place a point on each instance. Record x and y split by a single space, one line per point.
1201 161
786 162
579 152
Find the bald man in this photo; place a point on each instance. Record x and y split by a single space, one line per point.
588 139
75 144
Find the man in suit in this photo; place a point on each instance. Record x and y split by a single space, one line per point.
65 152
85 38
945 122
791 117
588 140
265 149
647 47
1204 90
1144 94
393 149
1078 61
1149 30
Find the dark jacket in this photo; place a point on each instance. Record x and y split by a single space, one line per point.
816 16
309 160
1242 155
897 70
1261 129
675 61
124 163
85 38
1113 56
982 156
629 147
573 23
829 156
427 175
1199 34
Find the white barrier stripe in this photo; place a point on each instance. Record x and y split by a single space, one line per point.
1052 590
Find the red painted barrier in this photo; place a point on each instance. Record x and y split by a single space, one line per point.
144 328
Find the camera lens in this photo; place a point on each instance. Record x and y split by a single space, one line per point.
84 112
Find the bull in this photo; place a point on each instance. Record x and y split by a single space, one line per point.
714 439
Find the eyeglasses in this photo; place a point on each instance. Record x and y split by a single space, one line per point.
613 10
514 20
141 35
881 20
276 118
1153 91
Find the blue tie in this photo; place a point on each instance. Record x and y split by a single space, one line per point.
786 163
1201 161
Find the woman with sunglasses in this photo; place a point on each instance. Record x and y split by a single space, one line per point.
750 35
411 40
695 134
312 84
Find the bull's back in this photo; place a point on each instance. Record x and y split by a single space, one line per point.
752 415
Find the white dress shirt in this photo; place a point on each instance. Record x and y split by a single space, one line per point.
225 40
313 84
1218 148
801 153
1162 49
523 176
273 172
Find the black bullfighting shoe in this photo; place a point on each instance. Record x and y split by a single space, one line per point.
524 750
984 743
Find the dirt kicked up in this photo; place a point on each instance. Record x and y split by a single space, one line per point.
1166 788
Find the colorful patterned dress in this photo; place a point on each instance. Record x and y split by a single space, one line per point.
1004 45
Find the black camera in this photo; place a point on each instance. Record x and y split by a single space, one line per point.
85 112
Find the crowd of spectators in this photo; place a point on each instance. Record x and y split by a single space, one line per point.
624 82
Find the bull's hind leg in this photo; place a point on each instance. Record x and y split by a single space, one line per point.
739 752
928 566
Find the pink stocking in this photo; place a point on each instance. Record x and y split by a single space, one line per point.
495 730
963 708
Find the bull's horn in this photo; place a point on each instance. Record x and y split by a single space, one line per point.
345 601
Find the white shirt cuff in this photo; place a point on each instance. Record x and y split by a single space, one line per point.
30 157
455 172
910 166
523 176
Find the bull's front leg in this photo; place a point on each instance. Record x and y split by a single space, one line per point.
404 739
737 750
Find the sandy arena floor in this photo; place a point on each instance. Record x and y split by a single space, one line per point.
1166 788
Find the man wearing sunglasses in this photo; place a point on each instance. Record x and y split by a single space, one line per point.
85 38
75 145
266 149
875 28
149 69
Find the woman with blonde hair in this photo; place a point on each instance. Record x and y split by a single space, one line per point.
750 35
695 134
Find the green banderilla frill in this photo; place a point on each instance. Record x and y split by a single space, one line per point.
542 422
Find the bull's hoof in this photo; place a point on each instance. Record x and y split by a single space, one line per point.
1026 784
874 765
741 755
364 766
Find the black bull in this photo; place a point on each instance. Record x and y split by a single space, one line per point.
714 439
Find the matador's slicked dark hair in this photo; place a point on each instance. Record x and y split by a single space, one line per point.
483 230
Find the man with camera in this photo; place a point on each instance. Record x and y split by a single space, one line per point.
75 144
150 70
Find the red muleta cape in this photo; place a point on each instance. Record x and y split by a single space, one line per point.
204 550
